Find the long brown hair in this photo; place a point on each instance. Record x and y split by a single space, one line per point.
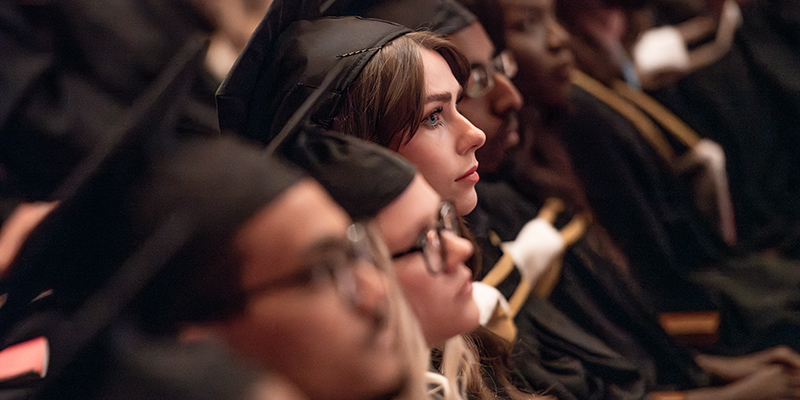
385 103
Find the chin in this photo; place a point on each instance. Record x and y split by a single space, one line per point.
467 203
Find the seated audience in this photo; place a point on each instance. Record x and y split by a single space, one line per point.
318 44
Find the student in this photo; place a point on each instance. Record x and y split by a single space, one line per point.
421 127
283 278
258 260
666 349
612 135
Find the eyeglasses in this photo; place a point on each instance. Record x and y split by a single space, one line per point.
430 242
482 76
339 264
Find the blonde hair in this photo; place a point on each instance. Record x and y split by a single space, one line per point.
403 322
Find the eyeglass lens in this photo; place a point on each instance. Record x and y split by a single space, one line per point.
360 255
433 250
482 76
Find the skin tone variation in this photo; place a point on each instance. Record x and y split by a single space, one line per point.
442 301
443 147
303 328
541 46
495 111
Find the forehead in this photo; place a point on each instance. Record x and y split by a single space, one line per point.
474 43
438 76
275 240
403 219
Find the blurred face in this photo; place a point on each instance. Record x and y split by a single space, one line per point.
443 147
296 322
540 45
442 301
495 111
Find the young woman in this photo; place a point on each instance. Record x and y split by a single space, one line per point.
406 99
401 90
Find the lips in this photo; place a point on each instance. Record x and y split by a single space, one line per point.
466 288
564 68
470 176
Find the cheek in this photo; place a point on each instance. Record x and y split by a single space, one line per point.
288 334
478 112
530 56
431 158
417 284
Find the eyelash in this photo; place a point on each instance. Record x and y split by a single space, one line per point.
436 113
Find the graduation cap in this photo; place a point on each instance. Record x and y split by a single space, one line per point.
71 231
94 254
285 88
440 16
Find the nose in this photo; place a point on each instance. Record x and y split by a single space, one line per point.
505 98
557 35
471 138
458 251
370 296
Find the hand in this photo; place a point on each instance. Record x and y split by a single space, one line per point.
734 368
535 248
772 382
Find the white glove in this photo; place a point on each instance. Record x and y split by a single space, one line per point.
705 164
488 298
535 248
661 49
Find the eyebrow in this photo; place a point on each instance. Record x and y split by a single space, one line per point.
439 97
324 245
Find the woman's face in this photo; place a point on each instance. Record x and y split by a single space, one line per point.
303 328
443 147
495 112
442 302
541 47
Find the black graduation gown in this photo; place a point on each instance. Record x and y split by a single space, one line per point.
749 103
592 324
674 254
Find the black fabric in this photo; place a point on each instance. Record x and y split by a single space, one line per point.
80 228
440 16
360 176
592 293
749 102
287 74
97 250
184 206
571 364
126 363
679 261
641 204
70 69
272 79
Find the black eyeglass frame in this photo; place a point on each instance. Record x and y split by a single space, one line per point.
431 239
360 248
482 76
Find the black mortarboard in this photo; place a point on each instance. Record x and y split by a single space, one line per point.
208 188
112 234
257 102
361 176
286 87
440 16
